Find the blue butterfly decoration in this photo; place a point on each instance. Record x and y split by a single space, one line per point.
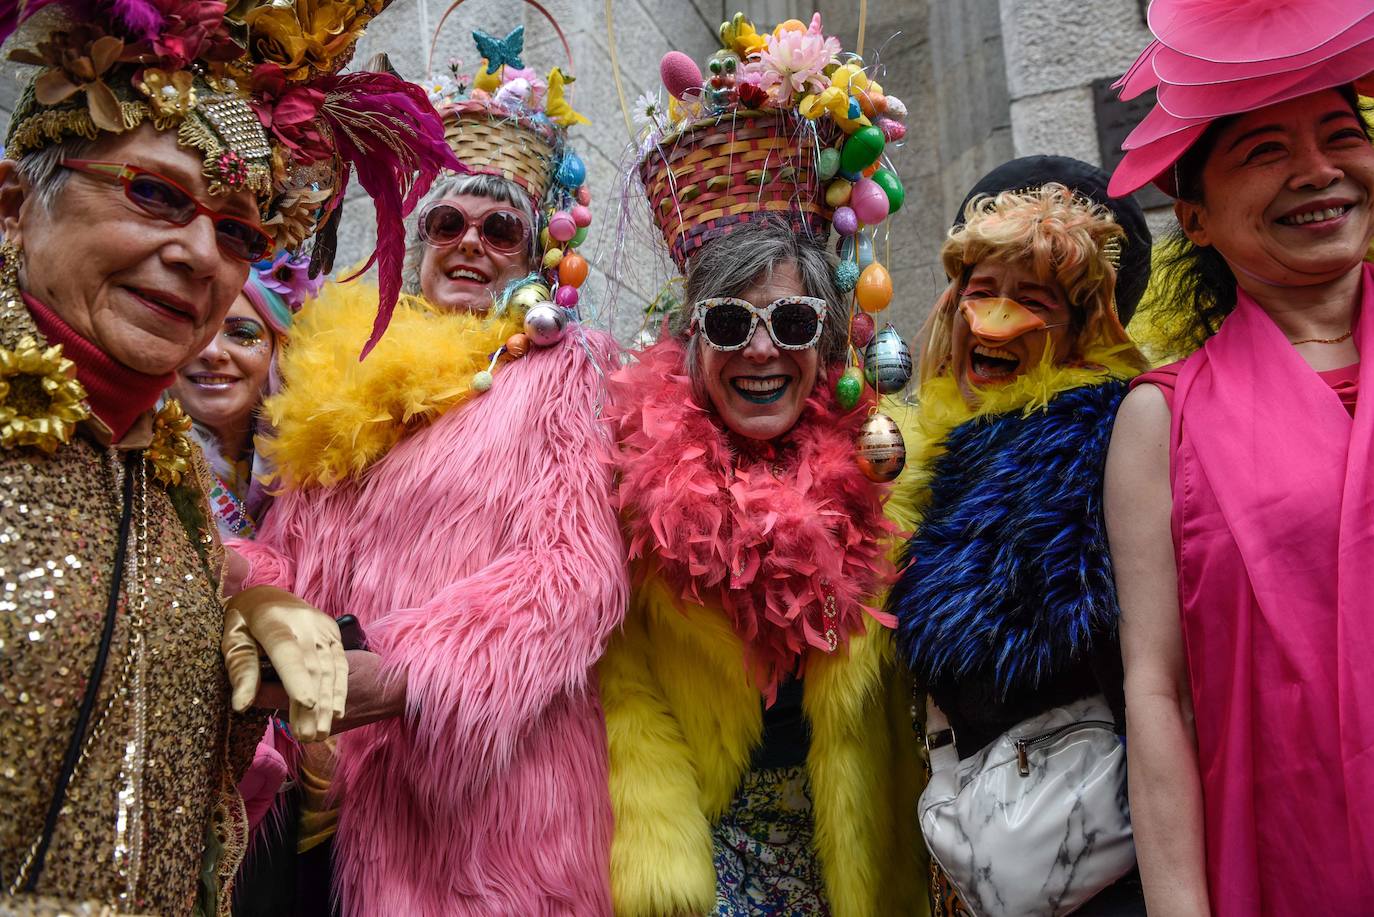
501 51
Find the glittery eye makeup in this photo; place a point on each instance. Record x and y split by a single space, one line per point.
246 332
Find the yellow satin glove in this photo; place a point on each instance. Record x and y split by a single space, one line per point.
304 646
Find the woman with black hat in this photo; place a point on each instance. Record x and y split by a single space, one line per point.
1005 605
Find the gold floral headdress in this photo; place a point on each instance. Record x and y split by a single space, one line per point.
255 88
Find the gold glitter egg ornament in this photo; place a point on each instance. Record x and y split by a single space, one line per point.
880 449
545 324
887 362
529 296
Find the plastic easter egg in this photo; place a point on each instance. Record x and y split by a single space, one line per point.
854 112
789 25
861 329
572 270
863 248
887 362
869 202
545 324
572 171
562 227
872 103
845 221
680 74
566 296
863 147
849 388
545 240
896 108
579 237
581 215
551 258
528 296
893 131
828 163
880 449
874 290
584 196
846 274
837 193
892 187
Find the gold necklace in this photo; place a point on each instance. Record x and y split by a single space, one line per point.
1337 340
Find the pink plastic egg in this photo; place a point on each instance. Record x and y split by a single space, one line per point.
582 215
868 200
846 223
562 226
584 196
566 296
892 130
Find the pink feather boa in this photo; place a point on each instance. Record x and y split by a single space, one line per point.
721 529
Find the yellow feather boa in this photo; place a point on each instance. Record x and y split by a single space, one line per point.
940 407
336 416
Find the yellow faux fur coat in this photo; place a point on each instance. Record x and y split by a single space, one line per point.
683 717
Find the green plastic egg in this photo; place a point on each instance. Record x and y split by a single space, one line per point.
829 163
578 238
862 149
892 187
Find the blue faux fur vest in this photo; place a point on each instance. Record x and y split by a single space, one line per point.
1007 579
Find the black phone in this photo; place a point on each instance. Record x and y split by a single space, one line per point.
350 634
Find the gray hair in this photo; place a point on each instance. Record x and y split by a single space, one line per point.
731 264
451 185
42 169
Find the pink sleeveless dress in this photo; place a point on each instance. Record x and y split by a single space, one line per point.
1273 529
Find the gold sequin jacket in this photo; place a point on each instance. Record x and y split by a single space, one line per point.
152 821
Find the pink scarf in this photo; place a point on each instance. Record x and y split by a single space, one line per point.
1279 624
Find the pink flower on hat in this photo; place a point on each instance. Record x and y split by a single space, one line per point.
793 61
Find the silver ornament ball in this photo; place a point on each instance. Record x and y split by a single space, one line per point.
545 324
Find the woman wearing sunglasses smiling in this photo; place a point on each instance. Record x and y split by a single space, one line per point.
752 764
452 491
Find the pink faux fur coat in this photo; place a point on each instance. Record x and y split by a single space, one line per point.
482 557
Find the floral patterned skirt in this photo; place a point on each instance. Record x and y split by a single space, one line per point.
766 864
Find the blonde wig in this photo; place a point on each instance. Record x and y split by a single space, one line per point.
1066 239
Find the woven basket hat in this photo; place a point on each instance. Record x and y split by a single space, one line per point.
490 142
717 173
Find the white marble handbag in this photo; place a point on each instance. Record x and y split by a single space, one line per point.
1036 823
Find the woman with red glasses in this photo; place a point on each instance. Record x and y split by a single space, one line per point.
136 195
452 491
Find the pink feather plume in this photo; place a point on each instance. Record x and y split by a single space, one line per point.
387 131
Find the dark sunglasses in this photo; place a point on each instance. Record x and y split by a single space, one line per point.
793 322
163 199
442 225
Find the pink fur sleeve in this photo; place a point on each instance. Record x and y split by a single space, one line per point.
267 566
487 654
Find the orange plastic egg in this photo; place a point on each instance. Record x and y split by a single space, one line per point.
872 167
790 25
572 270
871 103
874 289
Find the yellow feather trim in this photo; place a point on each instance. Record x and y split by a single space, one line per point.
336 415
940 407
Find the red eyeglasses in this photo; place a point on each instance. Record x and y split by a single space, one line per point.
442 225
163 199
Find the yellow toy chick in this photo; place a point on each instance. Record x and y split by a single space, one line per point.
557 107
